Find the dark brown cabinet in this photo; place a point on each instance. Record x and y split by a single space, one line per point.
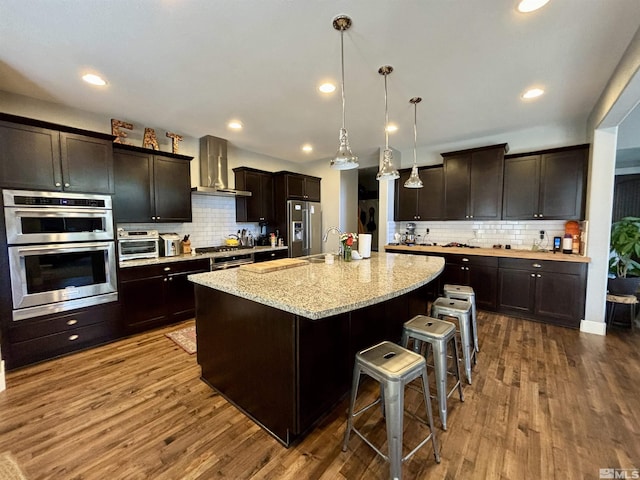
473 183
295 186
270 255
160 294
546 185
259 206
426 203
479 272
39 156
37 339
543 290
151 186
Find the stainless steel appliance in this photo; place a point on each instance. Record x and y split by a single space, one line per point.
304 228
45 217
409 238
170 245
234 259
137 244
61 251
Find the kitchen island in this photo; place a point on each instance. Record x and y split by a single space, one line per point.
281 345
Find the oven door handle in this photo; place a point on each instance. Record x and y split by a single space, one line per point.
53 212
61 248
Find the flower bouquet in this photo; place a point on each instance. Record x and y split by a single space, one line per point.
347 244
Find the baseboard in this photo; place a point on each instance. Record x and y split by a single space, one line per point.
3 384
597 328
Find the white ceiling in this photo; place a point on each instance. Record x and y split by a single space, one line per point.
190 66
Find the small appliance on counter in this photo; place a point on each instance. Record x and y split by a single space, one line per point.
409 238
170 244
137 244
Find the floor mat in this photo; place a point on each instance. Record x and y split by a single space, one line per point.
185 338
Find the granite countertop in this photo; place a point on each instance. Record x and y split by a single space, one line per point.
490 252
318 290
189 256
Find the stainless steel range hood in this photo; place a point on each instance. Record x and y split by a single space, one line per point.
214 170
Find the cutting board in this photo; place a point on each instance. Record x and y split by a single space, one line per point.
273 265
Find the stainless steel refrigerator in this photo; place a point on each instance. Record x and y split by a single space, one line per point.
304 228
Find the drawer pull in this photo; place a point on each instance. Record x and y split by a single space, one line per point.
167 269
73 337
465 259
536 265
73 321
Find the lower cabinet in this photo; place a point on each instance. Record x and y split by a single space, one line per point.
479 272
156 295
549 291
44 338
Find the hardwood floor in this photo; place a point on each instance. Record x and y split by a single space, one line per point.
546 402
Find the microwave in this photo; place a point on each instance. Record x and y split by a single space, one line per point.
133 245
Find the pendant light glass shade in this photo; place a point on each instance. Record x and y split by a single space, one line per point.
387 171
344 159
414 179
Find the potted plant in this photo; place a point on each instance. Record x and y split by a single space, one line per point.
624 259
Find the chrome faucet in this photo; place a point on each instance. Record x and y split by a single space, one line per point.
326 236
328 231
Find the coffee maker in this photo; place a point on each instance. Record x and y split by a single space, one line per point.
409 238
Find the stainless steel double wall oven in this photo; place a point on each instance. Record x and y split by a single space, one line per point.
61 251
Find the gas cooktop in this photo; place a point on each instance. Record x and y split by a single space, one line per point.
221 248
460 245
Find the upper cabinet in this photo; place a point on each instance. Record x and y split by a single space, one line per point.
295 186
426 203
151 186
43 156
259 206
473 183
546 185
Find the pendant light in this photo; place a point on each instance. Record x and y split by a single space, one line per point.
344 159
387 172
414 179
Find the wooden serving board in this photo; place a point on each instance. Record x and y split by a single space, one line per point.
273 265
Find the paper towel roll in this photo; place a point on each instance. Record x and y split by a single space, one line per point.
364 245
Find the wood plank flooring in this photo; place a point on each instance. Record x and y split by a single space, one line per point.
546 402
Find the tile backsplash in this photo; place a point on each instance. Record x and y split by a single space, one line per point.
519 234
214 218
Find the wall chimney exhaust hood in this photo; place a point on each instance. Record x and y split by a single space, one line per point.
214 170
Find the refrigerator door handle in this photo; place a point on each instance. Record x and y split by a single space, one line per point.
306 230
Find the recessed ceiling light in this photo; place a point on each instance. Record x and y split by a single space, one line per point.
526 6
392 128
307 148
235 125
94 79
327 88
532 93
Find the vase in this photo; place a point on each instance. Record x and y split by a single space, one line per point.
346 254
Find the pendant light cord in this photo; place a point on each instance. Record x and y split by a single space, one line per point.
415 133
342 61
386 116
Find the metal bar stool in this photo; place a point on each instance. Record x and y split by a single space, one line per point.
438 334
461 310
393 367
463 292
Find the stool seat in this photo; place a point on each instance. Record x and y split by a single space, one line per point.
458 289
461 310
393 367
438 334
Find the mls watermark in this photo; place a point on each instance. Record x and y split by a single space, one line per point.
620 473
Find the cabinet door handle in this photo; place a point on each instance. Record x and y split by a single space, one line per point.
67 185
164 279
540 215
533 274
153 218
539 276
73 337
470 216
535 215
57 184
171 279
536 265
73 321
